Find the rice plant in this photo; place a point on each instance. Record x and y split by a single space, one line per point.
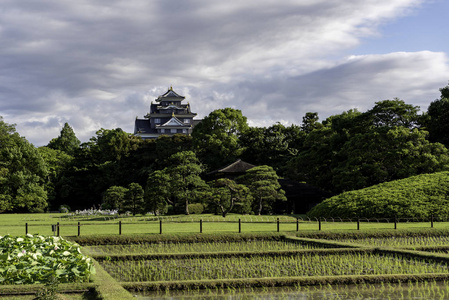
259 267
413 241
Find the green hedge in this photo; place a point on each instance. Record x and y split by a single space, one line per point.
384 233
94 240
276 253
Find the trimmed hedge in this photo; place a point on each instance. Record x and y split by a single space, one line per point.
172 238
276 253
415 197
384 233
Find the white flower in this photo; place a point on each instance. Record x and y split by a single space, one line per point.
29 235
66 253
20 254
19 240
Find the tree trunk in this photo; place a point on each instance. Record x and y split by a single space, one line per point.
260 207
187 206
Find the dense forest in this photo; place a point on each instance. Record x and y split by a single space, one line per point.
345 152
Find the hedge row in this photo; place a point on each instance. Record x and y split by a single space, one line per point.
95 240
198 255
384 233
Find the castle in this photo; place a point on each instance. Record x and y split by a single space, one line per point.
167 116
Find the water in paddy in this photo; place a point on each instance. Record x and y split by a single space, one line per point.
388 291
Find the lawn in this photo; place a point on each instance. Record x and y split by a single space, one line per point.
19 224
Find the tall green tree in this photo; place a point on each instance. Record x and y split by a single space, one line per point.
57 163
66 141
22 173
310 122
134 199
437 122
158 192
264 186
184 171
216 137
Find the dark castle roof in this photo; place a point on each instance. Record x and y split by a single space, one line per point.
170 94
237 167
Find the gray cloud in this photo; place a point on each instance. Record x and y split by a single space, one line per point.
98 64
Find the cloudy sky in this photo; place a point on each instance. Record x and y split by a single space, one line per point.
99 64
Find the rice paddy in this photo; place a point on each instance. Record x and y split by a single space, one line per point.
420 241
158 248
260 267
388 291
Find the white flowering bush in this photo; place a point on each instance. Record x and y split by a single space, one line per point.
34 259
95 212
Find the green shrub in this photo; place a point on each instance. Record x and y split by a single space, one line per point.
415 197
196 208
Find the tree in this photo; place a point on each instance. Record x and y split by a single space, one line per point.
216 137
264 186
56 162
437 122
184 170
134 201
226 193
273 146
387 154
22 173
66 141
111 158
393 113
158 192
114 198
310 122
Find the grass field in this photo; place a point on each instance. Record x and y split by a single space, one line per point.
19 224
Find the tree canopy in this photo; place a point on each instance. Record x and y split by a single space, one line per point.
216 138
22 173
66 141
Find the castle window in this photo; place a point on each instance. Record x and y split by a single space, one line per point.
186 121
157 120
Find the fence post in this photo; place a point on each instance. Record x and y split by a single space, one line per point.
119 227
201 225
395 222
431 221
79 229
240 225
26 228
297 224
358 224
277 221
160 226
319 224
57 228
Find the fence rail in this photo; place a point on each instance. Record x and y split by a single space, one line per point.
160 225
